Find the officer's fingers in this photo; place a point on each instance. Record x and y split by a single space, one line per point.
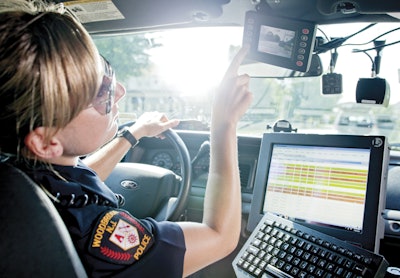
236 62
243 79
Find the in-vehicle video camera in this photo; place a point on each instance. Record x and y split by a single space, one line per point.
373 91
281 42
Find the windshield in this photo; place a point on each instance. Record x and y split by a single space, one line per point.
177 71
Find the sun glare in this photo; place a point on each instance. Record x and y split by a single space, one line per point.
194 61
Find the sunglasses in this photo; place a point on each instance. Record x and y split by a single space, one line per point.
106 94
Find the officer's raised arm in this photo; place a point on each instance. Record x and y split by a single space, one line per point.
218 234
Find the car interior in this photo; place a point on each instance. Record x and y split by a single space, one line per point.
313 161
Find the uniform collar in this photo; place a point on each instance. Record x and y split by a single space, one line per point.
70 184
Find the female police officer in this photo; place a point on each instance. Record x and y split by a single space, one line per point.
59 101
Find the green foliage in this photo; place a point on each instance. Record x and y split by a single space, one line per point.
127 54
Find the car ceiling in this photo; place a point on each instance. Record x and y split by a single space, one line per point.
146 14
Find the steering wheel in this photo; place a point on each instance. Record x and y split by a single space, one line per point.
152 191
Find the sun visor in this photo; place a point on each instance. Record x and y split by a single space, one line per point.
100 16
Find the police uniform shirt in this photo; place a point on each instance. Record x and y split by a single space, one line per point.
109 240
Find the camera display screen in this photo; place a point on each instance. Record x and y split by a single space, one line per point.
281 42
276 41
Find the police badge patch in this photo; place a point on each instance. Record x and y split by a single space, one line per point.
119 238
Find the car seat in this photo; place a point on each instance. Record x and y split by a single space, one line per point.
34 240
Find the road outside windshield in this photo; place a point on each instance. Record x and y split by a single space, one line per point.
177 71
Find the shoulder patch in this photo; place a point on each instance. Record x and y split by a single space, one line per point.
120 238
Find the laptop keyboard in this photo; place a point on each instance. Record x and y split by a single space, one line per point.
281 248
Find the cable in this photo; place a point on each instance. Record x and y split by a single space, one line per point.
375 47
339 41
374 39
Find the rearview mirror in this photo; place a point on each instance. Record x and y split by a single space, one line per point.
257 69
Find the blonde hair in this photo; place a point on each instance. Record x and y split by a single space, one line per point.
49 69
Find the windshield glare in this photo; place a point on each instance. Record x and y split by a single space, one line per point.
177 71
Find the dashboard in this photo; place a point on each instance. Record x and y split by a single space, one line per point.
161 153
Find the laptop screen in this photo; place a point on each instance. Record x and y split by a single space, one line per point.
335 184
320 185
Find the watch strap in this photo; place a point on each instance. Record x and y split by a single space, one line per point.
124 132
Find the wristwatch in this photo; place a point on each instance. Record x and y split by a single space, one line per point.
124 132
